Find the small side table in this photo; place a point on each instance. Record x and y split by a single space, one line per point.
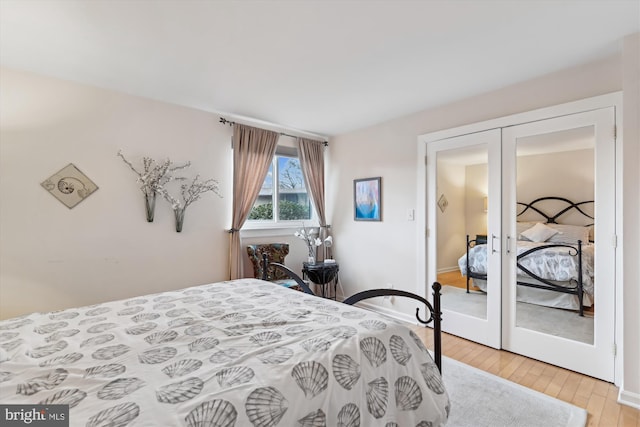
322 273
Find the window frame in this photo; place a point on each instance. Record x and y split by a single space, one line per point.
277 227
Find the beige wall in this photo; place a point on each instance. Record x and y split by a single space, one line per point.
476 191
567 174
52 257
103 249
630 177
451 237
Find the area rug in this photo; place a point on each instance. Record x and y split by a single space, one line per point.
553 321
480 399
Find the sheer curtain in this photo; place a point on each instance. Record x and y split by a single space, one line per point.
253 151
311 155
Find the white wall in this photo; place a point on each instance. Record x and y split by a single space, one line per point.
52 257
384 252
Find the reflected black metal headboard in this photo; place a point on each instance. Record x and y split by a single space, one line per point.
551 218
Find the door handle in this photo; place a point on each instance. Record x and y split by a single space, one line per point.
493 238
508 244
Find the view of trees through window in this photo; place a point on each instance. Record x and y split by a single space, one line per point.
290 197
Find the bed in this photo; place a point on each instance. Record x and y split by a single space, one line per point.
555 261
245 352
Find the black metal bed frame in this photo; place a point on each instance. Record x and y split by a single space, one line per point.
434 311
577 289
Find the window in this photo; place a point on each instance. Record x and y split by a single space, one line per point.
283 196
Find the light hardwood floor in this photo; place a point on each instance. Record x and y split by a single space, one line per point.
599 398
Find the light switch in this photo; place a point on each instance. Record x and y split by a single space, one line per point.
411 215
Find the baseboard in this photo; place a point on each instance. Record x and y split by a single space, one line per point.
628 398
448 269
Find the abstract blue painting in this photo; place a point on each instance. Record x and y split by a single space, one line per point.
367 200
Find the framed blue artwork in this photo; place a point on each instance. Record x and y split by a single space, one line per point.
367 199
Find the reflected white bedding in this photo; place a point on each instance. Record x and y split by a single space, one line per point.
555 264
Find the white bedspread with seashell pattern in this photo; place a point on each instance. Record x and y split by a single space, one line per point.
237 353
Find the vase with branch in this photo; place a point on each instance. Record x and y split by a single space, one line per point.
189 193
307 235
152 177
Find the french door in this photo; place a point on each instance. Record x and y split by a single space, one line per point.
580 343
474 184
462 173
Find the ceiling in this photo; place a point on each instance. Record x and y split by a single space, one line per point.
321 66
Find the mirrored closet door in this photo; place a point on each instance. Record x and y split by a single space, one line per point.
464 185
558 287
521 234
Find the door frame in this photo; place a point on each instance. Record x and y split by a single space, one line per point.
594 103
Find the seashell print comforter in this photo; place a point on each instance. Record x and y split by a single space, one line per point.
237 353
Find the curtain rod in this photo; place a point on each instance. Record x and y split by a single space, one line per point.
230 123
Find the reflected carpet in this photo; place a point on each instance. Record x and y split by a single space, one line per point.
548 320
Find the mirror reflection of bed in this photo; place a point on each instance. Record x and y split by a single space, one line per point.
555 283
561 165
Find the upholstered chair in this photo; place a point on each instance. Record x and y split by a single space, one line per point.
276 252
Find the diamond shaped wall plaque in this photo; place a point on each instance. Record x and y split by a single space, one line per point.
69 185
443 203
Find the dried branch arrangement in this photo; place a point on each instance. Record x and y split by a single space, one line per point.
154 177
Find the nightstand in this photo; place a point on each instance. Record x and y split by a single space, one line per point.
323 274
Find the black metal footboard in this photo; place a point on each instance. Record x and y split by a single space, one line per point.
576 289
435 312
575 285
